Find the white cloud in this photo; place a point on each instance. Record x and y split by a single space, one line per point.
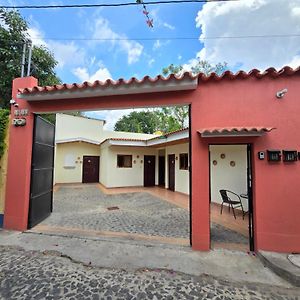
158 22
251 17
151 62
66 53
112 116
101 74
158 44
169 26
101 30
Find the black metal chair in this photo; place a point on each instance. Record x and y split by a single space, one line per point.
227 199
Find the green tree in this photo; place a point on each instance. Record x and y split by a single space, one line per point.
4 117
148 121
138 121
202 66
13 35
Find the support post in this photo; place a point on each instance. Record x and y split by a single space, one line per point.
19 162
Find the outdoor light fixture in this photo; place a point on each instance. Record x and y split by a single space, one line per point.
14 103
281 93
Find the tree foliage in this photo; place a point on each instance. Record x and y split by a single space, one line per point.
13 35
4 115
149 121
202 66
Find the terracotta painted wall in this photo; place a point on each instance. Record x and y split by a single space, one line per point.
239 102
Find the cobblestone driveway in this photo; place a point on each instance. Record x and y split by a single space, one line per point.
36 275
85 207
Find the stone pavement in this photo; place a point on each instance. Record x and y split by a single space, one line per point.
86 207
47 275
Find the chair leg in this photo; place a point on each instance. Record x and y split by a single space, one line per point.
222 207
233 211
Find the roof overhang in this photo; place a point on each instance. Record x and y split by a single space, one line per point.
110 88
234 131
164 140
77 140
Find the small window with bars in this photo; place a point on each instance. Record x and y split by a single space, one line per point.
183 161
124 161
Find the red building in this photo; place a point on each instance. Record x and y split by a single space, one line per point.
259 109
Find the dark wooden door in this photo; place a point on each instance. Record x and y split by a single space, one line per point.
171 164
149 170
41 185
161 168
90 169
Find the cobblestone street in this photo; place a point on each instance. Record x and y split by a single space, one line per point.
47 275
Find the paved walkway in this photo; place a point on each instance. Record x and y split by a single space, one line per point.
89 210
86 207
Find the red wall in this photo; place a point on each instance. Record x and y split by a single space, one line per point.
239 102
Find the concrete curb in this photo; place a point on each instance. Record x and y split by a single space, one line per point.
280 265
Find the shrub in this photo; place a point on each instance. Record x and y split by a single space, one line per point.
4 117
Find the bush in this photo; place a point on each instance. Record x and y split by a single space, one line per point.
4 116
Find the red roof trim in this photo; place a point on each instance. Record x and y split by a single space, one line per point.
107 83
220 130
270 72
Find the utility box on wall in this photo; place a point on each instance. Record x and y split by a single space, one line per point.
290 155
274 155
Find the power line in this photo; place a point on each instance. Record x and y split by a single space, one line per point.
110 4
166 38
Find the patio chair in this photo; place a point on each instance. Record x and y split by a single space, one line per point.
232 199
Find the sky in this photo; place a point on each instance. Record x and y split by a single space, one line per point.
220 32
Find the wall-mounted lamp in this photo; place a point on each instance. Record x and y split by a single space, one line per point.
280 94
14 103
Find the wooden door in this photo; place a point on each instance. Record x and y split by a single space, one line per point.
171 164
149 170
161 168
90 169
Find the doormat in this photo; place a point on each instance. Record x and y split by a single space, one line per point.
113 208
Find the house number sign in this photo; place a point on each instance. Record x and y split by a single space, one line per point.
21 112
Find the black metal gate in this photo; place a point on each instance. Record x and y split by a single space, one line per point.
41 187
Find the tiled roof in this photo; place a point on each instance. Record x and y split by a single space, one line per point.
169 133
233 130
271 72
107 83
123 139
145 140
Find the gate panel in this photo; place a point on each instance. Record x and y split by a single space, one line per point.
41 188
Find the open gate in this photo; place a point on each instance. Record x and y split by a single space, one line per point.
41 187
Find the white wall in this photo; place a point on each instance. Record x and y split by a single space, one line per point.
63 174
181 176
224 176
68 127
112 176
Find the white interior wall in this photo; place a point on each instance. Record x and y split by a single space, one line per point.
125 177
182 178
75 151
224 176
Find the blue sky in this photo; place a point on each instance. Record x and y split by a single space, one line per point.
121 58
123 55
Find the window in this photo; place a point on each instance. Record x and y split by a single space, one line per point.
124 161
183 161
69 161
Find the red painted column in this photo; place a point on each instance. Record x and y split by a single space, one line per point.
19 162
200 187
